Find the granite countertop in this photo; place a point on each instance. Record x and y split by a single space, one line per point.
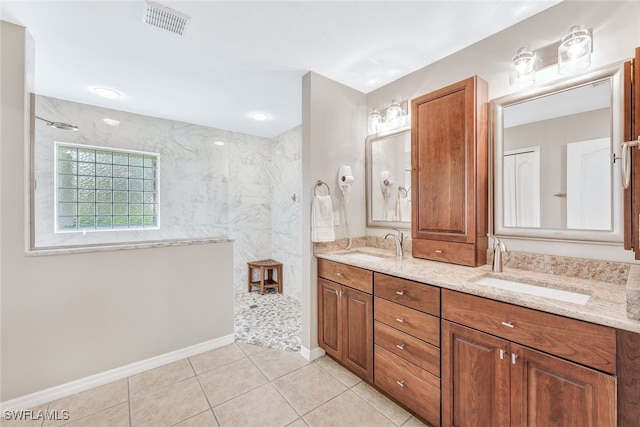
607 304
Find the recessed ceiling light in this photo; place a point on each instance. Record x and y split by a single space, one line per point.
106 93
260 116
111 122
219 143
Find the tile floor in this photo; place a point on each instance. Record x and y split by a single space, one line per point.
235 385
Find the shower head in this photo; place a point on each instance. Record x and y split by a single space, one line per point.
58 125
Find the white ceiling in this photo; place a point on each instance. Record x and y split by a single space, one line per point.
236 57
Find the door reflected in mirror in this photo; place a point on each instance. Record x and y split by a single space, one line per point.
553 170
388 166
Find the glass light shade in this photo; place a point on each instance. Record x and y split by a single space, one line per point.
394 112
374 121
574 53
522 72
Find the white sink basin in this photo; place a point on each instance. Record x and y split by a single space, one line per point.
364 257
539 291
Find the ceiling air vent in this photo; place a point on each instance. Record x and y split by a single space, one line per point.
166 18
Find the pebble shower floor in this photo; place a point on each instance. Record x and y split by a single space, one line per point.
271 320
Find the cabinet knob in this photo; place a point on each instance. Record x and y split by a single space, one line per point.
400 346
400 319
400 383
400 293
507 324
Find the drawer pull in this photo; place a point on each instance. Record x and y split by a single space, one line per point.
339 274
438 251
400 293
400 383
507 324
400 346
400 319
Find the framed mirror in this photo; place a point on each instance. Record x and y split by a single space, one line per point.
388 169
554 175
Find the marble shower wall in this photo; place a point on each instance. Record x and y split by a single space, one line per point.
286 208
242 189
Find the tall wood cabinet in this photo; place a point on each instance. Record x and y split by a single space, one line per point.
631 133
449 173
501 380
345 315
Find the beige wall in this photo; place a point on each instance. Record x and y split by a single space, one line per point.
616 33
65 317
333 133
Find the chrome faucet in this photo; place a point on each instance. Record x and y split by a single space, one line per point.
498 249
398 239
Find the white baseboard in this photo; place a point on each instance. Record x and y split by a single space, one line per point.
311 354
48 395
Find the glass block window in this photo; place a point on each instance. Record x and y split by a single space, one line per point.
99 189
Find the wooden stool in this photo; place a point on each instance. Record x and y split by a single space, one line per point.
268 282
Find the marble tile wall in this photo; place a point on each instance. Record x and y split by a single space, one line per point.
286 208
242 189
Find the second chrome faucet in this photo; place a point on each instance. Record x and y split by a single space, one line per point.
498 249
398 238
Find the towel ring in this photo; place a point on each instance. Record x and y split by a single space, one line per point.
403 192
320 183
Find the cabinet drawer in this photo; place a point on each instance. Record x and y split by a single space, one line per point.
418 352
415 388
582 342
413 322
412 294
354 277
452 252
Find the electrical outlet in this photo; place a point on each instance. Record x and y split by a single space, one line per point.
336 217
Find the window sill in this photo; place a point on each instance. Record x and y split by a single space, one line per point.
66 250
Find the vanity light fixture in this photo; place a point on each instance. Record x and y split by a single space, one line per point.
574 52
106 92
260 116
523 71
393 117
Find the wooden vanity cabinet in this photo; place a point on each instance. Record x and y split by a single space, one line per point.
450 173
407 344
345 315
491 380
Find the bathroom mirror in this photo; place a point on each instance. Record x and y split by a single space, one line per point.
553 150
388 169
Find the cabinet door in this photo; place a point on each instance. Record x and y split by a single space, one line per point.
475 378
446 164
551 392
330 330
357 314
631 133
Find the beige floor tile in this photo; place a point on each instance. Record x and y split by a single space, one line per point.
343 375
28 418
116 416
169 405
154 379
276 363
348 409
262 407
91 401
205 419
308 387
414 422
298 423
226 382
388 408
250 349
215 358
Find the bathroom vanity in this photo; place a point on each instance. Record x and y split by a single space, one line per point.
457 352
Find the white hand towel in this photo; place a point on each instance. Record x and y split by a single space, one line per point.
322 220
